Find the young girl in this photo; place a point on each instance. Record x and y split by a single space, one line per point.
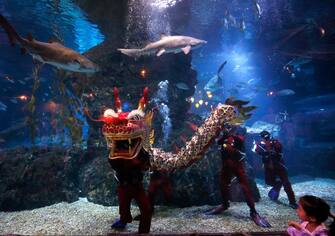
312 211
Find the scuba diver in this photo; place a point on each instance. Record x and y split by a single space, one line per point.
129 175
233 158
159 181
271 152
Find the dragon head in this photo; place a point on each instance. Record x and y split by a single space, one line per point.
127 133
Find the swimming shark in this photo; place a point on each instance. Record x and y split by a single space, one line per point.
52 52
166 44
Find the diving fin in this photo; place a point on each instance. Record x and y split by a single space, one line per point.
260 221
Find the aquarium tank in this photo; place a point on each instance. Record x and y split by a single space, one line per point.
172 117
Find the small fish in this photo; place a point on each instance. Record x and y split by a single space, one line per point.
182 86
225 23
243 69
216 82
232 20
253 81
27 78
9 79
250 81
242 26
13 100
296 63
285 92
212 84
22 82
241 85
3 107
258 9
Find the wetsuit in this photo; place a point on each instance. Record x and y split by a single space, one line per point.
232 147
129 174
271 152
159 181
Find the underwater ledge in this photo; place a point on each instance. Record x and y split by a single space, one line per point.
83 217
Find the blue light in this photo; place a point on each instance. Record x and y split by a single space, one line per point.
125 106
87 35
239 58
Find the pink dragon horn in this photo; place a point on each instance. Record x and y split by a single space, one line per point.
117 100
144 99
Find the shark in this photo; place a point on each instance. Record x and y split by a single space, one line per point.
167 44
52 52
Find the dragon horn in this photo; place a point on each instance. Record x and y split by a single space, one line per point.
144 99
229 100
239 103
117 100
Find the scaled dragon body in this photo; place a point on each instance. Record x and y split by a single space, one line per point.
127 133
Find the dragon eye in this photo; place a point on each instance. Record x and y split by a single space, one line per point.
110 113
135 115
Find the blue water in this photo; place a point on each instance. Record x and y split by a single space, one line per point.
258 39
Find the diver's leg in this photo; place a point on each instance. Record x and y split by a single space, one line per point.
124 197
226 175
243 179
283 175
167 188
270 179
145 210
244 182
153 188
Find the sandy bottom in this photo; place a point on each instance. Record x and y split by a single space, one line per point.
82 217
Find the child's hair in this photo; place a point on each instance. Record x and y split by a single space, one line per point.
317 208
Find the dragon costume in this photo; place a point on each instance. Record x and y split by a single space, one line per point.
127 133
129 137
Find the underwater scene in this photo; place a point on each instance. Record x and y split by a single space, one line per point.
167 117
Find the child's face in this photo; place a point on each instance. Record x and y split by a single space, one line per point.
301 213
